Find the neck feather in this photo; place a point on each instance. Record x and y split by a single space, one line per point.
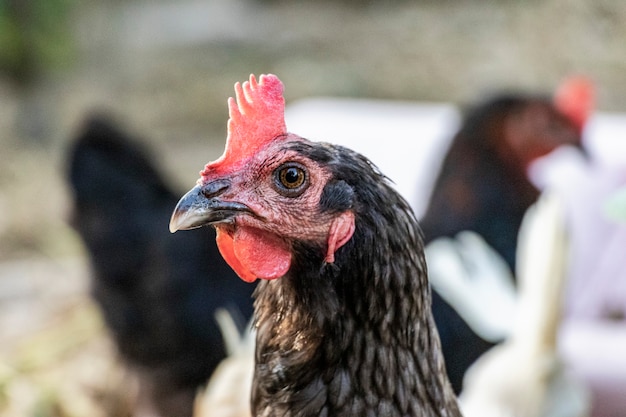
357 335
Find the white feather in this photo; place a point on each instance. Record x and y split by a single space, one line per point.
525 377
474 279
228 391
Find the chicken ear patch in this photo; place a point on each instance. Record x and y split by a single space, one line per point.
341 230
254 253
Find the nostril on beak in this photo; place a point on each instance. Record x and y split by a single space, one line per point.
215 188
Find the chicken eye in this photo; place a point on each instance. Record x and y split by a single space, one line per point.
291 179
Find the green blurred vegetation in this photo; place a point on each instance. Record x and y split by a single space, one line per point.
35 35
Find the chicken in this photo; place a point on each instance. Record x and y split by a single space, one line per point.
592 336
483 187
525 376
342 310
158 292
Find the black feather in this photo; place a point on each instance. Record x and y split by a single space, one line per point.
357 337
158 291
481 190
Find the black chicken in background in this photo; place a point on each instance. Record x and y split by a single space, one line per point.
483 187
158 292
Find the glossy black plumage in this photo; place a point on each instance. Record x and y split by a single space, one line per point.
356 337
158 292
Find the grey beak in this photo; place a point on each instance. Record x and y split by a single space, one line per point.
201 206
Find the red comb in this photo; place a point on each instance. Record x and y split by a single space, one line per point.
575 99
257 117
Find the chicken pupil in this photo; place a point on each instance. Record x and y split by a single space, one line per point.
292 177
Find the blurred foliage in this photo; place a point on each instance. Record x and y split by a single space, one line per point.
34 36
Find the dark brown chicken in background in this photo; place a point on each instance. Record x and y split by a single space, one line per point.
158 292
343 317
483 187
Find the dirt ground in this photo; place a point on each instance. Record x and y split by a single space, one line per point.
165 69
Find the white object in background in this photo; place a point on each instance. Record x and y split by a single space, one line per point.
615 206
405 140
605 138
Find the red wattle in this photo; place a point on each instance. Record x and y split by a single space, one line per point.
225 244
253 253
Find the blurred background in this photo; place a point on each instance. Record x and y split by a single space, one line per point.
164 69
